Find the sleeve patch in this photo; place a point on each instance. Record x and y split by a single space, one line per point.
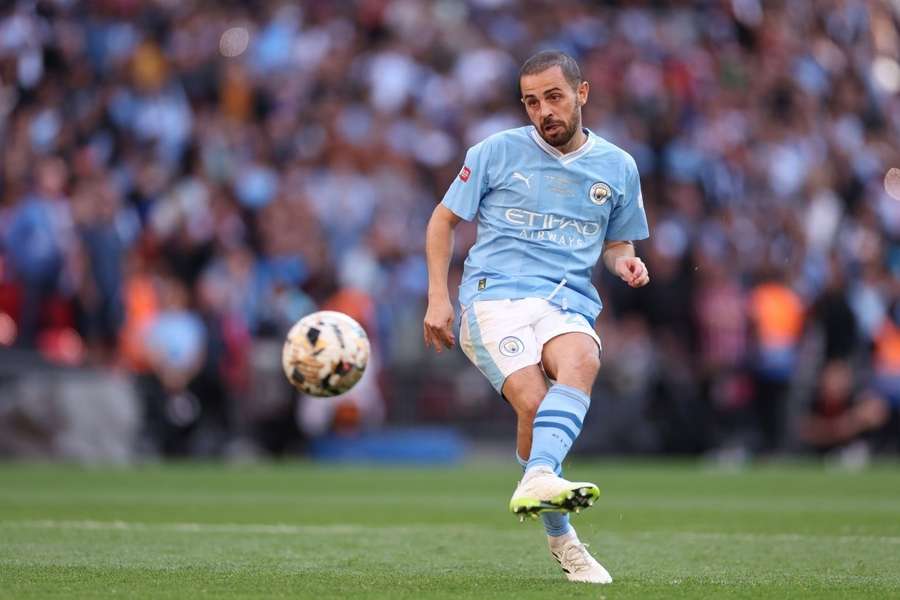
464 173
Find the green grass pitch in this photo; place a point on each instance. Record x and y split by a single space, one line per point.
307 531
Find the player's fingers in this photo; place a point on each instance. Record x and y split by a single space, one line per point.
641 281
434 339
445 335
451 340
451 337
638 270
437 337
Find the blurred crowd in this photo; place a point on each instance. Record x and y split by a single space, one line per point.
180 180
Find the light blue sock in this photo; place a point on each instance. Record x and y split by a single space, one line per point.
557 425
555 524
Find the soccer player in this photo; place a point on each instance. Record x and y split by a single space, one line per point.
550 199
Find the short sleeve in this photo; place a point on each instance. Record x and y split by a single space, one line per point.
470 185
628 221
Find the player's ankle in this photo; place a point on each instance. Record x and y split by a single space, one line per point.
564 536
539 463
537 470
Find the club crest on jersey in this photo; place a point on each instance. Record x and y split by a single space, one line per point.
511 346
600 193
464 173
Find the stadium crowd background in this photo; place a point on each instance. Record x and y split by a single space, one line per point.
181 179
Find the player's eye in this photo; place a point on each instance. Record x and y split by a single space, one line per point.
555 97
532 103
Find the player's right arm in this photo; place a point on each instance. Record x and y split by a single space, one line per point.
460 203
438 250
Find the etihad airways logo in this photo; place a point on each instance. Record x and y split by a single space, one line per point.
543 227
536 220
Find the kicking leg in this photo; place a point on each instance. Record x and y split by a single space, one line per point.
573 358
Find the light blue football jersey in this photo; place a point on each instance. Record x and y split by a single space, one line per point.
543 217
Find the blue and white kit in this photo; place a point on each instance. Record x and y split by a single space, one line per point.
543 217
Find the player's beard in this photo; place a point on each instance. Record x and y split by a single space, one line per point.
564 133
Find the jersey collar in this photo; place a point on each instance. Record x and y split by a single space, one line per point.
564 158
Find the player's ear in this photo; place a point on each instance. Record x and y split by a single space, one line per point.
582 92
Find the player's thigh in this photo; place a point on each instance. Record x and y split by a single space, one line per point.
525 390
497 336
571 354
568 342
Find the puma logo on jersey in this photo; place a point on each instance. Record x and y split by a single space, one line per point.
517 175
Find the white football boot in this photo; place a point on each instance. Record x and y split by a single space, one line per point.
543 490
576 561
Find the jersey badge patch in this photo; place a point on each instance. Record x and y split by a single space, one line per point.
600 193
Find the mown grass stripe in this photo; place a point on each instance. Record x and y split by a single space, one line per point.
287 529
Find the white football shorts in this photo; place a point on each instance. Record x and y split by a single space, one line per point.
502 336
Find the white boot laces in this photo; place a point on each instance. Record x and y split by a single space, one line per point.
578 557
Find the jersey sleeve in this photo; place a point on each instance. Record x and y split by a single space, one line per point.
470 186
628 221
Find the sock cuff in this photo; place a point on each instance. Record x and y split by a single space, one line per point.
522 461
571 392
561 534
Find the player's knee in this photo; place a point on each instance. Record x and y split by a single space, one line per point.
589 364
584 367
528 406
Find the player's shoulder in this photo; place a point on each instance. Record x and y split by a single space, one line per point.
609 153
505 139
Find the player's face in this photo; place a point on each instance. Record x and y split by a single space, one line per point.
552 105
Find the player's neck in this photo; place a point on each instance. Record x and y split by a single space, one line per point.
578 140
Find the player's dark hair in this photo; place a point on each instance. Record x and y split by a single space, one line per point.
548 59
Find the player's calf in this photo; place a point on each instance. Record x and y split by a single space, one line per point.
525 389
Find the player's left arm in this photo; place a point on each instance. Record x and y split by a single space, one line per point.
621 261
627 222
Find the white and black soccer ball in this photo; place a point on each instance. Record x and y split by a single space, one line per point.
325 353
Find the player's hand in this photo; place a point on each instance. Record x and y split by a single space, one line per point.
439 324
632 271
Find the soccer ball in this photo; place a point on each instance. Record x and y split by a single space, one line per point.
325 353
